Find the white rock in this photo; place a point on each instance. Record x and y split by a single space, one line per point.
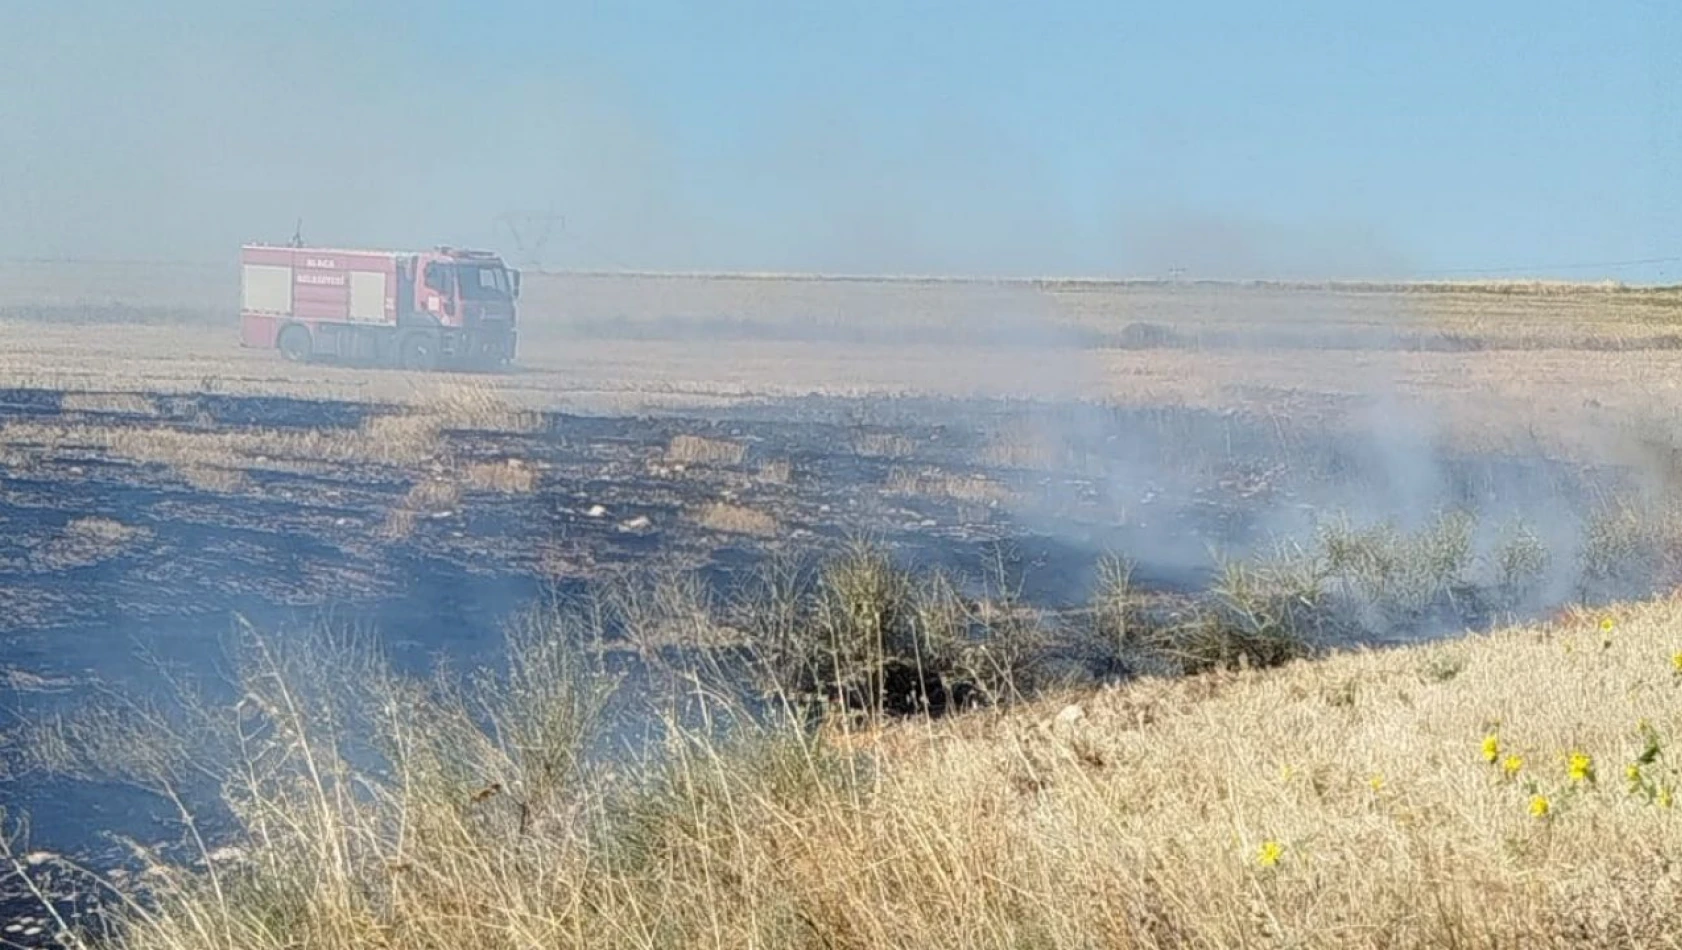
37 858
1070 715
595 511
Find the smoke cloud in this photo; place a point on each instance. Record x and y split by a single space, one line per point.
880 141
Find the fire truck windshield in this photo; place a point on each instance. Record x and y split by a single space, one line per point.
484 282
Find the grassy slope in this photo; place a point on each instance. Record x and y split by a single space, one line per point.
1144 815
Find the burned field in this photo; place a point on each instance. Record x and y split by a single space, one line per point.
133 508
136 508
1070 542
145 523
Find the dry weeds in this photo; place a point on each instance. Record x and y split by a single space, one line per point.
933 483
890 445
736 519
401 439
509 476
698 450
433 495
137 404
1024 446
479 408
213 478
1542 356
85 542
399 523
390 440
1514 789
776 472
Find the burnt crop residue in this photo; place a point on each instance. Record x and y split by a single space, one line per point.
1079 542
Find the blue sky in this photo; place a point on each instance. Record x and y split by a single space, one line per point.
1224 139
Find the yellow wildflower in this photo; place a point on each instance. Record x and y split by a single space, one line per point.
1632 772
1581 768
1511 764
1539 806
1377 782
1664 797
1606 624
1491 747
1676 662
1270 853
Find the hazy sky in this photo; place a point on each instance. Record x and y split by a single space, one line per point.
1225 138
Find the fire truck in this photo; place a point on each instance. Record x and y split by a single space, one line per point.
443 308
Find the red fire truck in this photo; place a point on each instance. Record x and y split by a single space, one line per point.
446 307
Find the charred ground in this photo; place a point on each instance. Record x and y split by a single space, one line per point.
150 503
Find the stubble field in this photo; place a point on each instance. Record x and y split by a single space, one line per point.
996 494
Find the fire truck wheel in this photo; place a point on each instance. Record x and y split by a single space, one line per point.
295 343
419 351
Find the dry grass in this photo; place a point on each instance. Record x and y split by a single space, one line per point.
402 439
1141 814
776 472
698 450
105 531
127 403
974 489
399 523
1024 447
1545 350
85 542
478 408
390 440
509 476
1511 790
212 478
736 519
214 458
433 494
890 445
